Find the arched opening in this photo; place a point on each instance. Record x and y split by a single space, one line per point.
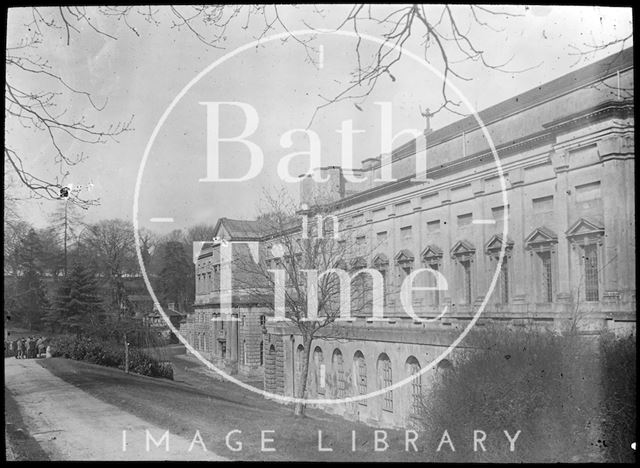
318 365
245 359
360 373
385 379
412 367
262 353
270 370
337 364
299 364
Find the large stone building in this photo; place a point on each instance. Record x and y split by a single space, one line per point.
235 345
566 150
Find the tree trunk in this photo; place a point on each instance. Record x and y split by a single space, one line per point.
302 387
65 239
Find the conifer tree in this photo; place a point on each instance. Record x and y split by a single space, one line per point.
31 298
78 300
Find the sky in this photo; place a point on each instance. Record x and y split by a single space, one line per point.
138 74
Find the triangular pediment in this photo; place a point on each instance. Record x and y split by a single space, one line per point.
462 247
404 256
495 243
541 236
585 227
358 263
380 260
432 252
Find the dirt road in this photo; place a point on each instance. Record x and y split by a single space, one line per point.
75 410
70 424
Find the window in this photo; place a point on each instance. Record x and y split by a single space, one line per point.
243 358
262 353
498 213
381 237
378 214
543 205
465 219
466 273
384 375
434 283
433 226
223 349
339 374
263 320
403 207
504 281
361 376
318 360
546 276
381 263
299 363
405 233
360 240
588 192
413 368
591 272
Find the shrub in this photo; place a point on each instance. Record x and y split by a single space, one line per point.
619 397
537 382
109 354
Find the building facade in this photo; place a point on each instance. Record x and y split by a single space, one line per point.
234 343
564 186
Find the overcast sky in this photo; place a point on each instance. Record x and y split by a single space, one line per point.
141 74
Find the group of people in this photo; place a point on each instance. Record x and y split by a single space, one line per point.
27 348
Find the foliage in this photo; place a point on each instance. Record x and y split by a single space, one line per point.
109 354
30 302
619 402
77 299
546 385
176 282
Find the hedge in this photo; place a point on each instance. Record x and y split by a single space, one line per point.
573 398
109 354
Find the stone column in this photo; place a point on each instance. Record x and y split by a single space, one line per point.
392 273
448 237
560 162
614 152
480 281
518 279
232 339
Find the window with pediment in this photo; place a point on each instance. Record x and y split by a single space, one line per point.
463 253
541 244
493 249
361 286
587 237
432 258
381 263
404 260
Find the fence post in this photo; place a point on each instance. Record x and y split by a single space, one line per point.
126 354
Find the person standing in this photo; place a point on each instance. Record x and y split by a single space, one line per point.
31 346
41 346
22 348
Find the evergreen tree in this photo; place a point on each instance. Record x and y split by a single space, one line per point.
78 300
175 273
31 297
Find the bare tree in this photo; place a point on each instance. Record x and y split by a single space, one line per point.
311 266
112 243
447 35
